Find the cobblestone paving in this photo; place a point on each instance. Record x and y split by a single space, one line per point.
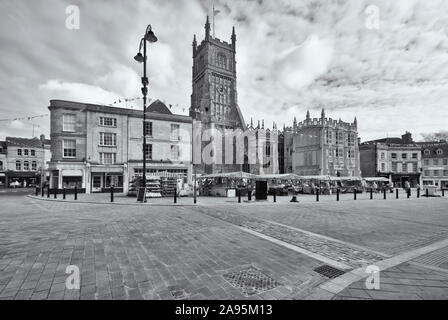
403 282
135 253
389 227
148 252
333 250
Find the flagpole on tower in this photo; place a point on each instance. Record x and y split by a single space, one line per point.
213 19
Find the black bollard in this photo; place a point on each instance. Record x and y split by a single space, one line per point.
55 193
275 195
337 194
409 193
443 192
111 194
76 193
239 195
175 194
396 193
37 191
371 193
354 193
195 199
63 193
48 192
427 193
317 195
384 191
418 192
42 190
249 195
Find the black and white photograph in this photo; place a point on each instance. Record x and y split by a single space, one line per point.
224 155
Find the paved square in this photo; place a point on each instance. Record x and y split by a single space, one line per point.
157 251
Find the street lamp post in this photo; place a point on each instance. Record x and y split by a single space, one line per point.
150 37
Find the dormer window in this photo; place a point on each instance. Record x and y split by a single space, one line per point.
427 152
439 152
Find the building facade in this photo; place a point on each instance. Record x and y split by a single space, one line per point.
322 146
435 163
3 162
398 159
24 161
95 147
217 116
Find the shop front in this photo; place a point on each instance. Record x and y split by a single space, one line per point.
22 179
68 176
2 179
103 178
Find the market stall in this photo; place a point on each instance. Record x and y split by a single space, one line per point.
376 183
225 184
311 183
282 184
347 184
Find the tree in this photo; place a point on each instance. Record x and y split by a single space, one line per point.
435 136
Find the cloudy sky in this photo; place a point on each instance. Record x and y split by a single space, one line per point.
292 56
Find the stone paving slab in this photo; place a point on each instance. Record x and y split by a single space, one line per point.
148 252
343 253
403 282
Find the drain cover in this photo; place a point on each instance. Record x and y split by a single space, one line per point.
251 281
329 271
178 292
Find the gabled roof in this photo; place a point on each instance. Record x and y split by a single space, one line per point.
25 142
158 107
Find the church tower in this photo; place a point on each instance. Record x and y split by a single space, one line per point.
214 97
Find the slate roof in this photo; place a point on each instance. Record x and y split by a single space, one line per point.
25 142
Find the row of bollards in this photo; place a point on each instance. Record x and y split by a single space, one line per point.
249 194
64 193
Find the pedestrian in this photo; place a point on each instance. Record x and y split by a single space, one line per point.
374 186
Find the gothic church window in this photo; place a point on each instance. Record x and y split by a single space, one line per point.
221 60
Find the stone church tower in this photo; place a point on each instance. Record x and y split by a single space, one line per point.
214 98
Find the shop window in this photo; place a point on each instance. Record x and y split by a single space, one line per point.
18 165
69 122
71 182
69 148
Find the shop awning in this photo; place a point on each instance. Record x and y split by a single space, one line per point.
232 175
